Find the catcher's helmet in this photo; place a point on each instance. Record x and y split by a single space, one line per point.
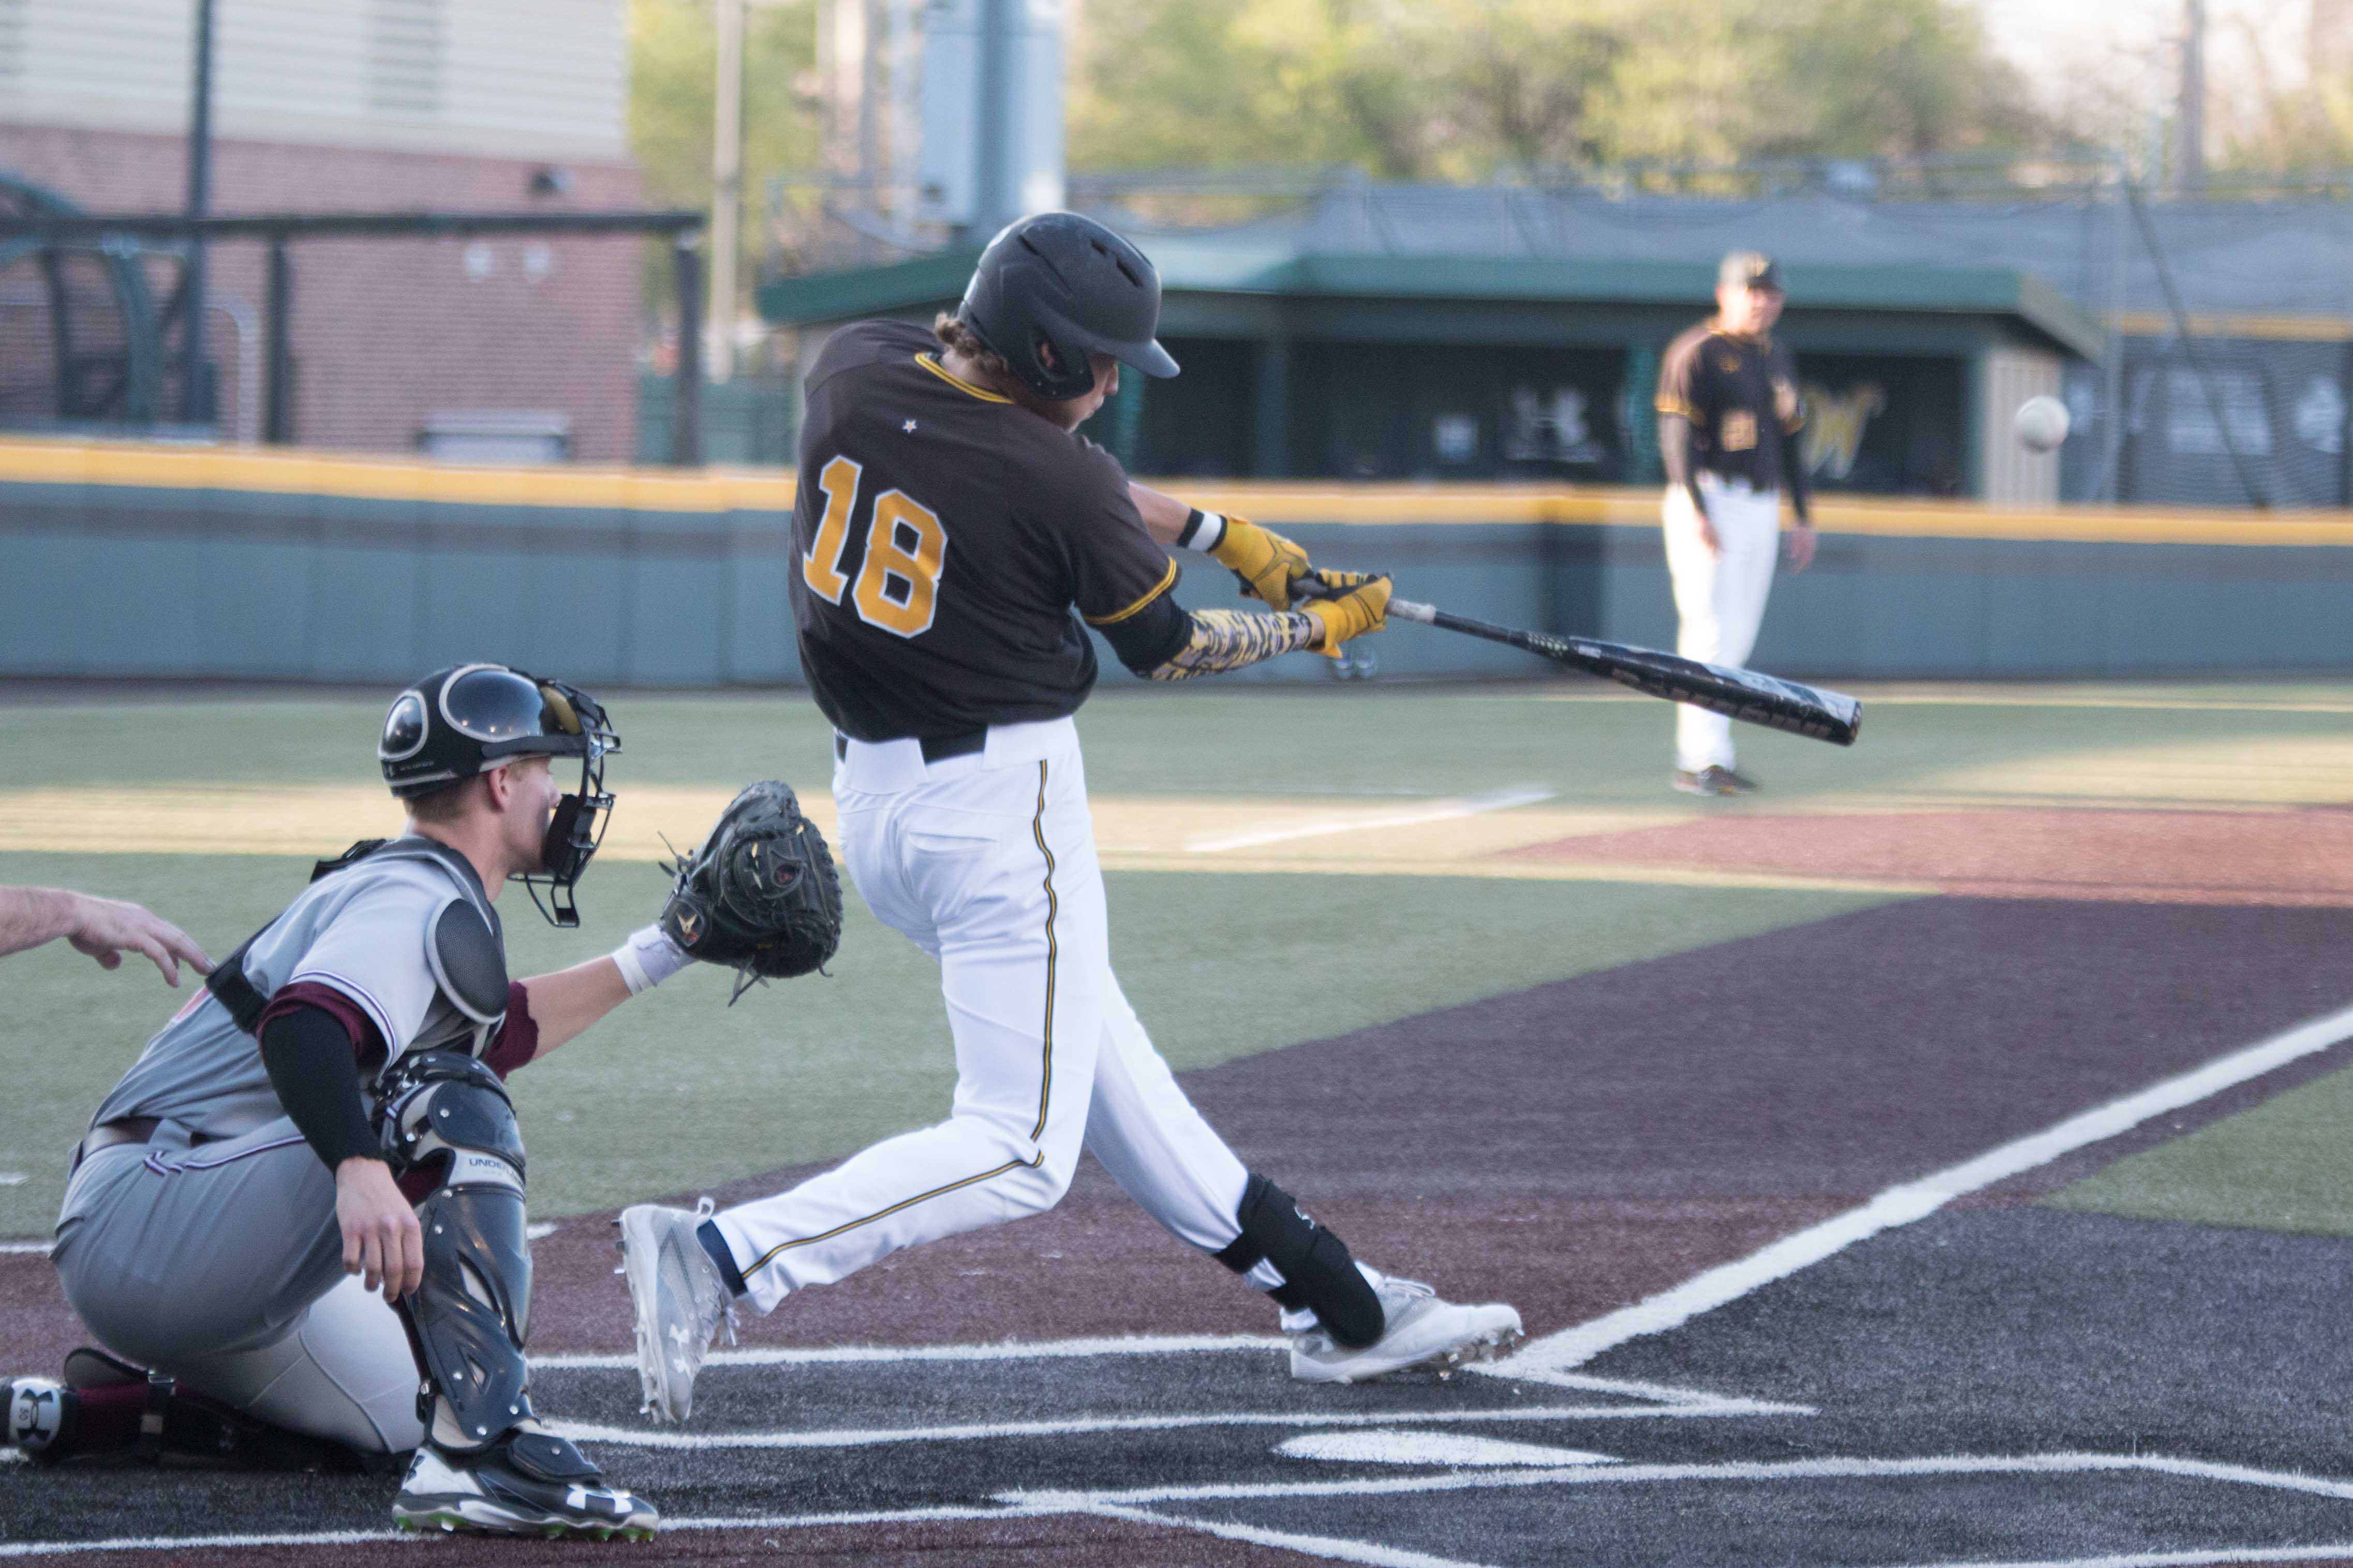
457 722
1066 280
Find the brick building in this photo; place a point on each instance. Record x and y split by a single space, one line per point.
361 105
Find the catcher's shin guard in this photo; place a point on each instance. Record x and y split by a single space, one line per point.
1318 1273
468 1317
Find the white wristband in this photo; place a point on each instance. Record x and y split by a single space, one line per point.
1204 533
649 958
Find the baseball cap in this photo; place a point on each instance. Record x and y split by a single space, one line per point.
1750 269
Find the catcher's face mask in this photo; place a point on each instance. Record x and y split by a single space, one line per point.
577 825
458 723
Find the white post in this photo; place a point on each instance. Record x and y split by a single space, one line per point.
726 192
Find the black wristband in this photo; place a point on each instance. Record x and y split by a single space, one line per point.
1193 522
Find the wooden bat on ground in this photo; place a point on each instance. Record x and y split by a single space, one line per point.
1742 694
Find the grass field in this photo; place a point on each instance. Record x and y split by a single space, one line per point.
1252 951
1831 1143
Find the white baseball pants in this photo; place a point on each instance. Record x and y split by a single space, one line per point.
987 862
1719 597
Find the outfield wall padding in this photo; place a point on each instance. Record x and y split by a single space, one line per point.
163 562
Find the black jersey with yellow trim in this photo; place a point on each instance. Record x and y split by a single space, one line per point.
1740 394
942 537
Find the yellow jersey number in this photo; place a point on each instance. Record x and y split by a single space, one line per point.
907 549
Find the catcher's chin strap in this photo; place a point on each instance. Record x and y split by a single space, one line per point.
1318 1273
447 1114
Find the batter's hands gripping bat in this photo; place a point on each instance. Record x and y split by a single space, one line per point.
1742 694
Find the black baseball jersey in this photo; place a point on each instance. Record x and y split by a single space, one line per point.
942 535
1741 397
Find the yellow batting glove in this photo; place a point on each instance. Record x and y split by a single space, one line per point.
1358 607
1266 562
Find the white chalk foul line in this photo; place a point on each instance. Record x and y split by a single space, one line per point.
27 1248
1329 1548
2228 1555
856 1437
1003 1350
1438 811
1541 1361
1825 1470
1034 1505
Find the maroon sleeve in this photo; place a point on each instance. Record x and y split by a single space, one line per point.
367 1044
517 1040
1116 567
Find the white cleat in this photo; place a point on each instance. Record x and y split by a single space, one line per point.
681 1301
1422 1333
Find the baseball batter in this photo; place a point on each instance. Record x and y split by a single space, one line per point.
949 522
1729 415
327 1119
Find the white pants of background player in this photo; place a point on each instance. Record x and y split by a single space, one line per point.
987 862
1719 597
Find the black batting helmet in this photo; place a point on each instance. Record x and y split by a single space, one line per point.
469 719
1066 281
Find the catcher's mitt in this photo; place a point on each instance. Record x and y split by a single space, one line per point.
760 896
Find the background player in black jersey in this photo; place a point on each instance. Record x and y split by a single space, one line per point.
949 520
1729 415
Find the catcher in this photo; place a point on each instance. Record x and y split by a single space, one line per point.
327 1119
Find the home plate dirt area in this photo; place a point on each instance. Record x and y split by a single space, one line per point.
1768 1210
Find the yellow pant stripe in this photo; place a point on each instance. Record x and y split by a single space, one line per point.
1037 831
770 1256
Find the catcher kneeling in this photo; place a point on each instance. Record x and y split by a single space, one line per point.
327 1119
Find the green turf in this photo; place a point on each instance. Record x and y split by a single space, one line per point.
2286 1164
678 1091
1373 739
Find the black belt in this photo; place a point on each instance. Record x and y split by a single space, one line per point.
107 1134
936 748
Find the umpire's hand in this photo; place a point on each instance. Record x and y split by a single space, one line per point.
380 1236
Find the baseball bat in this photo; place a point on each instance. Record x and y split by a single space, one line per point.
1742 694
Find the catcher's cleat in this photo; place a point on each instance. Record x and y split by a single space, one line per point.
681 1302
529 1483
1420 1334
33 1414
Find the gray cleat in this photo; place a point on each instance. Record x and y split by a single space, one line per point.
681 1302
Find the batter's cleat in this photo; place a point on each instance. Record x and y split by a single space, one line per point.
529 1483
33 1412
1711 781
1422 1333
681 1301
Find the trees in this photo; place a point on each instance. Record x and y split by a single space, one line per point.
1466 88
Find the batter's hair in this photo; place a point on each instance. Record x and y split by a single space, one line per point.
955 334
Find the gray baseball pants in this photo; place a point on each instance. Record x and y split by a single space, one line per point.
222 1265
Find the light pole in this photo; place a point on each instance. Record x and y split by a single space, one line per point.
196 372
726 192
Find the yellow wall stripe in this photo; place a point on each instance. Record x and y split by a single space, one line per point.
716 491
